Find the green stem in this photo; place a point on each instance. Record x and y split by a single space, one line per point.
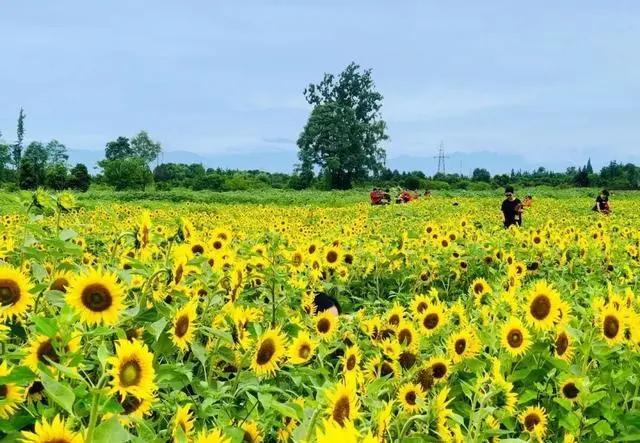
405 428
24 236
312 424
93 418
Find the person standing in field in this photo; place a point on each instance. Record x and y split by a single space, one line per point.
511 208
602 202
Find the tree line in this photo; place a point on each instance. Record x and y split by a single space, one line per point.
340 146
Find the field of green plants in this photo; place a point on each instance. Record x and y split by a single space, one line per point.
192 317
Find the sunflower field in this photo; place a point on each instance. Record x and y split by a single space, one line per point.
196 322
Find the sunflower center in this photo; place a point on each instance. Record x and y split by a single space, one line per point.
323 325
130 373
182 326
60 284
425 378
531 421
410 397
394 319
332 256
515 338
178 274
540 307
304 351
386 369
351 362
611 326
348 259
197 249
217 244
439 370
405 337
421 307
570 391
460 346
341 410
407 359
431 321
247 437
562 343
3 392
46 352
130 404
57 440
478 288
266 351
9 292
96 297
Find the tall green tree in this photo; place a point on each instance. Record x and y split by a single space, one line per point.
79 178
17 147
145 148
33 163
5 159
118 149
127 173
345 130
57 152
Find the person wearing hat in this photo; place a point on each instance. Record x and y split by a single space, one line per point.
511 208
602 202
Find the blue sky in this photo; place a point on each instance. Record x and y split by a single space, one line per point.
551 82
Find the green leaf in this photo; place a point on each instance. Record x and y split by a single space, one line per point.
111 431
20 376
58 392
603 428
103 355
46 326
157 327
200 353
67 234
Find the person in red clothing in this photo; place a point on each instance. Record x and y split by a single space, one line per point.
377 197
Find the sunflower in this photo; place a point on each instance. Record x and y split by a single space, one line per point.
411 397
132 408
44 350
395 315
515 337
332 432
463 344
534 421
15 298
132 370
570 389
383 419
97 296
479 288
433 318
182 422
184 325
611 325
251 432
332 257
10 394
269 350
504 397
326 325
378 368
60 281
343 403
406 334
563 345
439 368
55 431
301 349
351 361
212 436
543 306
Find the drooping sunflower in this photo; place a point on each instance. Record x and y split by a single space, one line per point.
10 394
301 349
184 325
534 421
343 404
433 318
563 345
269 350
543 306
570 389
326 325
44 350
212 436
251 432
182 422
463 344
96 296
15 298
515 337
132 370
411 397
56 431
611 325
504 397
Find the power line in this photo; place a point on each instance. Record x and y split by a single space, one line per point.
441 158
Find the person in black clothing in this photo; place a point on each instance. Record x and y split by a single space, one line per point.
602 202
511 208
